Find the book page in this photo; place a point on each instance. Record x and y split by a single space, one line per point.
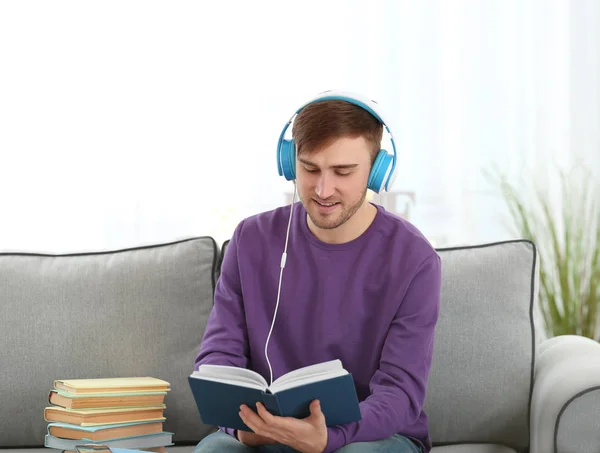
303 380
102 384
117 410
317 368
231 375
308 374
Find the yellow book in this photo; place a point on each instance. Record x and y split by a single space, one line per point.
112 385
95 417
105 400
104 432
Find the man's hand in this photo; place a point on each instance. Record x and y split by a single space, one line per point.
307 435
253 440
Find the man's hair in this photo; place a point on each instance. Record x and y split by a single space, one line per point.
321 123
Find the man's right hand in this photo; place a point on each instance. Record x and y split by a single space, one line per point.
253 440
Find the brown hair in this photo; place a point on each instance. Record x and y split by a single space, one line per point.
320 123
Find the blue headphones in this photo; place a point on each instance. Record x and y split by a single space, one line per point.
382 173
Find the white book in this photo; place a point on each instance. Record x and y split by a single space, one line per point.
247 378
220 390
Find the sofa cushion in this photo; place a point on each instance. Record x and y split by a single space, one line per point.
132 312
482 373
470 448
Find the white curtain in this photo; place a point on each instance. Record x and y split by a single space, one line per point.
128 123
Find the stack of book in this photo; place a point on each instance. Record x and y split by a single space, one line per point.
116 412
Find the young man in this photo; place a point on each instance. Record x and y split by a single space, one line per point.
359 284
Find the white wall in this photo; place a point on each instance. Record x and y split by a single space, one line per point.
126 123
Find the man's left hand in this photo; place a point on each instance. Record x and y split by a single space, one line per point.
307 435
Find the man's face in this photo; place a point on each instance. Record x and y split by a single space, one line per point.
332 181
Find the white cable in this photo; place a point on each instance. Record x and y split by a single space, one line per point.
282 265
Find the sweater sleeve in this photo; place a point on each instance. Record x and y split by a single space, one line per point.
225 340
398 386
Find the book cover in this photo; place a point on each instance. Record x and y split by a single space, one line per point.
106 394
106 401
218 398
112 385
103 432
163 439
92 417
101 449
124 450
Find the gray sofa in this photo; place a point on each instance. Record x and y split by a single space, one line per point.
496 384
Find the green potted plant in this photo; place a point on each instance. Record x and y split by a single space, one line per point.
564 224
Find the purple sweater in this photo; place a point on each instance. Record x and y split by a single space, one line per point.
372 303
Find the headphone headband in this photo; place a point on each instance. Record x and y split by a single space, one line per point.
367 104
354 98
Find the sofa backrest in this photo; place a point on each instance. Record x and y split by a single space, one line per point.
481 379
134 312
142 312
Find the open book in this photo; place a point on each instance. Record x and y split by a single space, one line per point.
219 391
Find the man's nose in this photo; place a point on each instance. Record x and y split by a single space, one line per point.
324 187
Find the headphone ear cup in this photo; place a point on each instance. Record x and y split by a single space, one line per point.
287 160
379 171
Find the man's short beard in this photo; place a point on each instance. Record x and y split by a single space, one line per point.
343 217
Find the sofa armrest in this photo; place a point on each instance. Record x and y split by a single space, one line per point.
565 406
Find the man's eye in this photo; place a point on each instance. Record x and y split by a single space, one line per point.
343 174
310 170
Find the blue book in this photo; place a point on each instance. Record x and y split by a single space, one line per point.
161 439
220 390
100 448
